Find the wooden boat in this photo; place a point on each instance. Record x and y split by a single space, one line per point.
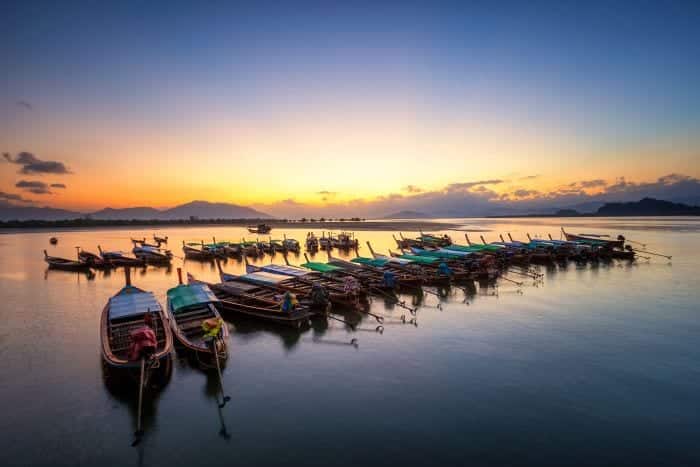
431 272
619 243
64 264
53 240
143 242
250 249
266 247
197 251
405 243
311 242
302 282
258 302
125 313
152 254
190 308
93 260
345 241
260 229
290 244
118 258
325 243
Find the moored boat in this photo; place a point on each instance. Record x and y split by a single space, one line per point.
93 260
195 320
64 264
131 321
118 258
260 229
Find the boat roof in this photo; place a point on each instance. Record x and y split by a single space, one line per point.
236 287
419 259
370 261
321 267
264 277
132 301
285 270
185 296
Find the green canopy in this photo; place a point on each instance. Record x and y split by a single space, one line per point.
321 267
377 263
420 259
185 296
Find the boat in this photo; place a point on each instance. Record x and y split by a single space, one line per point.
290 244
595 240
258 302
53 240
311 242
93 260
304 284
143 242
260 229
64 264
197 251
195 320
325 243
250 249
152 254
118 258
345 241
124 318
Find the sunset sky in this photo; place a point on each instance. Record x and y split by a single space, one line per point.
321 105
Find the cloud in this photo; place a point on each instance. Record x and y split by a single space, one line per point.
33 165
413 189
12 197
25 105
530 177
466 186
597 183
523 193
58 185
36 187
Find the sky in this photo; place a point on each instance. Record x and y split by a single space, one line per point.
331 107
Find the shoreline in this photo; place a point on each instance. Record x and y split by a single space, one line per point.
370 225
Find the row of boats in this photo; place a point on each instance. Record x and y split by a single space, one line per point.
137 333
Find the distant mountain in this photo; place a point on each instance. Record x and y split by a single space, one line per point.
648 207
140 213
198 209
206 210
21 213
406 215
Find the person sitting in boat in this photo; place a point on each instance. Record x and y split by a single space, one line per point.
389 279
444 269
319 295
212 327
143 340
289 302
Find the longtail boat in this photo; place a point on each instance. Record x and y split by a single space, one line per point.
260 229
311 242
389 279
152 254
93 260
195 320
118 258
290 244
304 283
123 318
345 241
64 264
598 241
160 240
197 251
259 302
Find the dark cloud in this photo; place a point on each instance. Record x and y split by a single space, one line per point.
58 185
12 197
597 183
24 105
36 187
413 189
33 165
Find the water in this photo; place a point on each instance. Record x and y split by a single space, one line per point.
597 366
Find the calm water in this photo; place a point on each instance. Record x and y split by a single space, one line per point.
599 365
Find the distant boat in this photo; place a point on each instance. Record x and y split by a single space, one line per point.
53 240
260 229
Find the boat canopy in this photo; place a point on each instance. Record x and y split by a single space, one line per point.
263 277
131 301
285 270
370 261
420 259
322 267
185 296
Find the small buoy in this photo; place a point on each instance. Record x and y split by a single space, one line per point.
53 240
